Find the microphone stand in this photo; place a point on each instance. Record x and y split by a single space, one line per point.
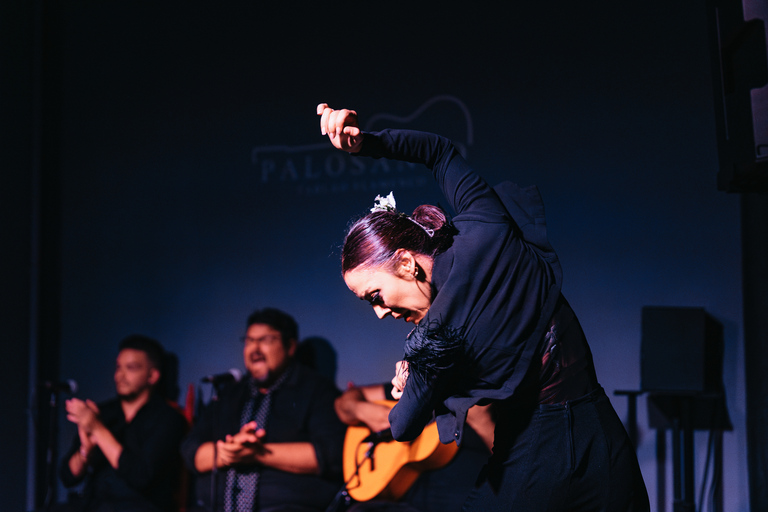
342 497
214 411
214 469
51 452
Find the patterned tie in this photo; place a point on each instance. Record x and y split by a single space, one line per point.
242 487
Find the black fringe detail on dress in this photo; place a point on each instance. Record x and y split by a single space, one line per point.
433 348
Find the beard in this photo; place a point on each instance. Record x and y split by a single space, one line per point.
128 397
267 379
133 395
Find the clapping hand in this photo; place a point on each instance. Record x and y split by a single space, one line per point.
241 448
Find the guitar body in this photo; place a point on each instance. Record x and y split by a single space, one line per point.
395 465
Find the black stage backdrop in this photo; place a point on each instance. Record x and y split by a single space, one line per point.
196 186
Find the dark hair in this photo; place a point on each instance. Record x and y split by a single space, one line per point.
149 346
278 320
374 239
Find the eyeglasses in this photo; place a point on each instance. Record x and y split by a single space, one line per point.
269 339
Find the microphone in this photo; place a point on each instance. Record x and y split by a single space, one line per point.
220 378
67 386
382 436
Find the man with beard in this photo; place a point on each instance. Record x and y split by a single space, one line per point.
127 449
273 440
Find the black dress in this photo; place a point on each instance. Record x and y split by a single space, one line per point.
499 330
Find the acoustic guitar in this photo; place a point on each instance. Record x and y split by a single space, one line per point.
376 466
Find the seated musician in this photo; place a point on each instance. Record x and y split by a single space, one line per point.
439 490
272 438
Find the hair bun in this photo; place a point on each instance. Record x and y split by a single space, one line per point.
430 216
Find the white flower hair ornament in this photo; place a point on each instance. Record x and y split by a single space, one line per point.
388 204
385 204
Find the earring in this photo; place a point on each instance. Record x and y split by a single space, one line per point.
416 272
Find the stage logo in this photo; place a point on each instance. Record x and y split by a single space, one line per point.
317 169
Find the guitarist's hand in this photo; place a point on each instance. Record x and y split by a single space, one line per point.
401 377
359 406
243 447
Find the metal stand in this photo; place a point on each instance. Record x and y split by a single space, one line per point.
683 413
51 452
682 458
631 413
681 418
214 469
341 501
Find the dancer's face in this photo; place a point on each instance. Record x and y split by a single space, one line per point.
391 291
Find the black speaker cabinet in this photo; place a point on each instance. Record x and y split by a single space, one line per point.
681 351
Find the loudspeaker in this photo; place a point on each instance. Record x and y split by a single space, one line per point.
681 351
739 56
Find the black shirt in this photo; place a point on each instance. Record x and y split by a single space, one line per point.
149 466
302 411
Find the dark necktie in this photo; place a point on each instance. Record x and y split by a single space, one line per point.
242 486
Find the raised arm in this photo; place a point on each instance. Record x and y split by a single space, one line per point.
138 464
462 187
85 414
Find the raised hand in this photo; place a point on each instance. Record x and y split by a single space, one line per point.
341 127
84 414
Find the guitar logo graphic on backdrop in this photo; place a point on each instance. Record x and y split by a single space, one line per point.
318 169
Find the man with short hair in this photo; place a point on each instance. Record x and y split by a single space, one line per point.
127 448
273 438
